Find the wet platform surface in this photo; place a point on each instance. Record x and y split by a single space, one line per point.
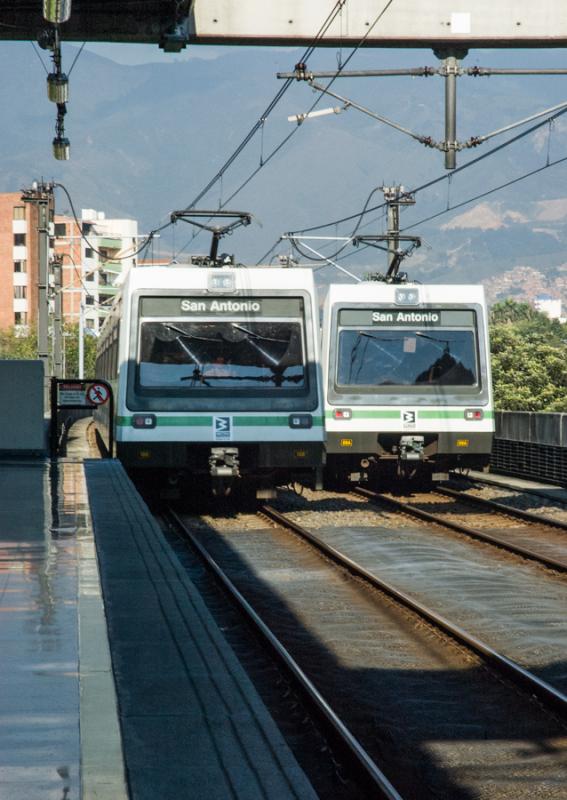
39 689
129 693
46 593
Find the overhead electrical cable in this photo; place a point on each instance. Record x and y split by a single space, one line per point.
439 179
337 8
79 225
259 126
487 192
284 141
324 261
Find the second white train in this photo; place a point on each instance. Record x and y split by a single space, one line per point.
407 382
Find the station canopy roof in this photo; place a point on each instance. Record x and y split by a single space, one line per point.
403 23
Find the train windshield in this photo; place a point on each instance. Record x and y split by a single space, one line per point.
421 357
233 354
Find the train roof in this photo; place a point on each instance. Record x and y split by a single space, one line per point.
377 292
245 278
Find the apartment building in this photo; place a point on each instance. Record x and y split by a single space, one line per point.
18 260
94 256
94 259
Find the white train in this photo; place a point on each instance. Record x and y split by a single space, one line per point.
407 383
216 377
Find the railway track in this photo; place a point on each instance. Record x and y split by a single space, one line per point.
539 538
264 570
550 497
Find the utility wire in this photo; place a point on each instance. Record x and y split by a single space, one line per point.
270 107
488 192
294 131
78 223
259 125
76 58
38 54
446 176
512 182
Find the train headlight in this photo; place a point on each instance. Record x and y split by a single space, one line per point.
342 413
462 442
300 421
475 414
345 443
144 421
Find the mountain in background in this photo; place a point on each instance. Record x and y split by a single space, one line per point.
146 139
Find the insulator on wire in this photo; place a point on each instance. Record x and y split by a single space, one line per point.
56 11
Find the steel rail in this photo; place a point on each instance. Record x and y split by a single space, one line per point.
486 480
367 770
518 513
474 533
547 693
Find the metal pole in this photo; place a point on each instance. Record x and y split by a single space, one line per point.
42 282
82 339
393 229
57 322
451 67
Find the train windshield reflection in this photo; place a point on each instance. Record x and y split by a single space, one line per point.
396 357
231 354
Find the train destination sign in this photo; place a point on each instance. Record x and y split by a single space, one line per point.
408 317
221 306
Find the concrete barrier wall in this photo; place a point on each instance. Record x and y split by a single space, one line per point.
22 425
529 426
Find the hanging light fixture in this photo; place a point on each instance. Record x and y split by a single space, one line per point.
58 87
56 11
61 148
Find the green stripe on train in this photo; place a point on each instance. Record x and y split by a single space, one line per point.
435 414
202 422
357 414
438 414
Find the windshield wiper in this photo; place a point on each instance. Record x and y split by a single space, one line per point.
187 335
435 340
251 339
258 335
383 350
197 374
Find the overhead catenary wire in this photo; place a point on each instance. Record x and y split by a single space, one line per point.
445 176
284 141
487 192
323 261
258 125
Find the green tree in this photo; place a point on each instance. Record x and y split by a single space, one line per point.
71 348
15 344
529 367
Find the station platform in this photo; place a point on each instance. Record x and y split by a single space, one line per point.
115 681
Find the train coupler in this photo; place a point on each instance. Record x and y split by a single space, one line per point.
412 448
224 463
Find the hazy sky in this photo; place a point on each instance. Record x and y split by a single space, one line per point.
132 54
